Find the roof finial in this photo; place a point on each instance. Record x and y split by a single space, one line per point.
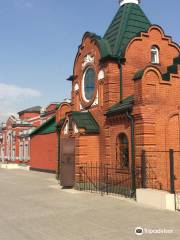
122 2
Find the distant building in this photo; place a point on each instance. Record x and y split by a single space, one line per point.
49 111
14 135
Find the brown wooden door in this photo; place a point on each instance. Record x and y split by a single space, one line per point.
67 162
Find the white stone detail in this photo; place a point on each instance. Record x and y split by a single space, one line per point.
76 87
75 128
81 107
87 59
101 75
122 2
66 128
96 101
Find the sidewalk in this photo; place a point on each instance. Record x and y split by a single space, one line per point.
33 207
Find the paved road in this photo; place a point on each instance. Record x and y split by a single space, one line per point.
33 207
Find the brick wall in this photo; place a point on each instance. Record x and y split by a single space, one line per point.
43 152
157 105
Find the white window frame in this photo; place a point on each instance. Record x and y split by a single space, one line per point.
154 55
83 84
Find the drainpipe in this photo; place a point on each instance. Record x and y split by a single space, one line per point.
58 153
121 80
133 173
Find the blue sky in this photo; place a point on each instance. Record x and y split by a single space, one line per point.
39 41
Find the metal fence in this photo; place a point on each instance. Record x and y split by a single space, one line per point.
103 178
160 170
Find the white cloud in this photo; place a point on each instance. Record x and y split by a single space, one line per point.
7 91
14 98
12 91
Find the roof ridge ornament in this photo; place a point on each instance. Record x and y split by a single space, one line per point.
122 2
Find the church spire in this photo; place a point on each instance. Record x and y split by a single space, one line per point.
122 2
128 23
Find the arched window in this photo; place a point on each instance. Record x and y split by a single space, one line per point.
154 55
89 84
122 151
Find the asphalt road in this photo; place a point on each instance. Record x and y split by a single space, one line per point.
33 207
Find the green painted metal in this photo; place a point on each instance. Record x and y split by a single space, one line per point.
121 107
129 21
133 164
86 121
102 43
172 69
177 60
121 82
138 75
48 127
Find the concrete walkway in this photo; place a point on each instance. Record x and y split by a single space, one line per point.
33 207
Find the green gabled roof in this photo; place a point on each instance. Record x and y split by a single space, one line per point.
102 43
121 107
128 23
86 121
48 127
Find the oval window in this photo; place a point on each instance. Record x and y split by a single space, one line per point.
89 84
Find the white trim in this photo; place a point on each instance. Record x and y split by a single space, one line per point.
154 55
87 59
66 128
76 87
122 2
96 101
83 91
34 118
75 128
101 75
81 107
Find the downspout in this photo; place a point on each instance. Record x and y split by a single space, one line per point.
133 173
58 153
121 79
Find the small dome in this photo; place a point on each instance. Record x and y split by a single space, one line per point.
122 2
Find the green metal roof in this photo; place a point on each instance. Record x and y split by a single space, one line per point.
102 43
129 21
48 127
138 74
172 69
86 121
121 107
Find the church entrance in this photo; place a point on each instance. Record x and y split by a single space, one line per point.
67 162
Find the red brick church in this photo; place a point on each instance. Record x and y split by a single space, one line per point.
125 99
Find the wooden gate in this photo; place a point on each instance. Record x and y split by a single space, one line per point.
67 162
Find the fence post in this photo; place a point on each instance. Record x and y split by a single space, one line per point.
143 169
171 158
107 179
